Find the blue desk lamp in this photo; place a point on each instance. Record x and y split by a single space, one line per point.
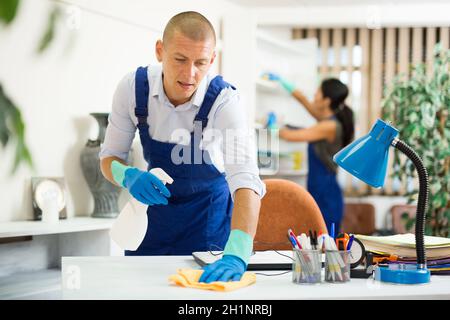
366 158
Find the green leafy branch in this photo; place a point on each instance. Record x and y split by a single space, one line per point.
12 127
420 108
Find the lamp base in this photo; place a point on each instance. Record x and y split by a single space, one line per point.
402 273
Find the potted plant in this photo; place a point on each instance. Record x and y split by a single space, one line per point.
419 108
11 124
12 127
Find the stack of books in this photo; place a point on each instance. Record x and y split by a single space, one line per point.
401 248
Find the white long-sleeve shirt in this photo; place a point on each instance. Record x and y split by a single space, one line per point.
227 137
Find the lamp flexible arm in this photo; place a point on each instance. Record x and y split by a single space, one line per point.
422 202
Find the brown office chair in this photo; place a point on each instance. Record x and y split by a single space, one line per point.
286 205
359 218
398 224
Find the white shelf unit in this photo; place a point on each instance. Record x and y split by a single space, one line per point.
294 60
31 252
34 228
33 285
268 86
290 46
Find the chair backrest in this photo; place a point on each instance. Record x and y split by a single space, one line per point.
359 218
286 205
398 224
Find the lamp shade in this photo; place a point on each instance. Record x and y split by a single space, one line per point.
366 158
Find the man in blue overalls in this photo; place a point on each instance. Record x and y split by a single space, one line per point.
213 203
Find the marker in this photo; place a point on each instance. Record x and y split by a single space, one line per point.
304 241
320 242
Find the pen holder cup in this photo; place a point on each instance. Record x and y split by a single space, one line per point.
337 266
306 267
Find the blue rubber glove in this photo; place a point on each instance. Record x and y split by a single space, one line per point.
225 269
234 262
142 185
272 76
290 87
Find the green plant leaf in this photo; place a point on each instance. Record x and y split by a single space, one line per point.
435 187
410 224
429 230
419 108
49 33
8 10
12 129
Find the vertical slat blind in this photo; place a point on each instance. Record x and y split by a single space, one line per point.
417 46
350 42
376 80
389 73
364 40
311 33
431 40
337 50
384 54
444 36
324 44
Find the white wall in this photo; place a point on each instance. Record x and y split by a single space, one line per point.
373 14
57 91
239 47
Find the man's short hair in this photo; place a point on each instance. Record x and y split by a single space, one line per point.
192 25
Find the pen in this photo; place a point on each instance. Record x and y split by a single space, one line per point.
311 239
294 245
332 230
292 241
350 241
321 242
299 254
315 239
292 234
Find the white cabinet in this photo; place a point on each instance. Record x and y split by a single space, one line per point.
295 61
261 49
31 251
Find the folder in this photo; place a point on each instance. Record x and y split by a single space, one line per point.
404 245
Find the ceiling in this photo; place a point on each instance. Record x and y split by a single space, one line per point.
291 3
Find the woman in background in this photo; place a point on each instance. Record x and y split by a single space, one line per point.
333 131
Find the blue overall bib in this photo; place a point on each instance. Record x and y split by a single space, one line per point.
198 215
323 186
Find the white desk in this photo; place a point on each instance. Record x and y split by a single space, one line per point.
147 278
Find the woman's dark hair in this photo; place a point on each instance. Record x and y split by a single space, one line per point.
336 91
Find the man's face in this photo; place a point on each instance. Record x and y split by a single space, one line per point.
185 62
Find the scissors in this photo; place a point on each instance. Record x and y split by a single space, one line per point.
342 241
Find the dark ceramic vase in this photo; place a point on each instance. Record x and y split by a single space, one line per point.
105 193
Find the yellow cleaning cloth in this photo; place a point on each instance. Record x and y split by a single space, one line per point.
190 277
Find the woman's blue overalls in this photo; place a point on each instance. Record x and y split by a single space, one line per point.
323 186
198 215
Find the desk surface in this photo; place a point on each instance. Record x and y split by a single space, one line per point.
147 278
